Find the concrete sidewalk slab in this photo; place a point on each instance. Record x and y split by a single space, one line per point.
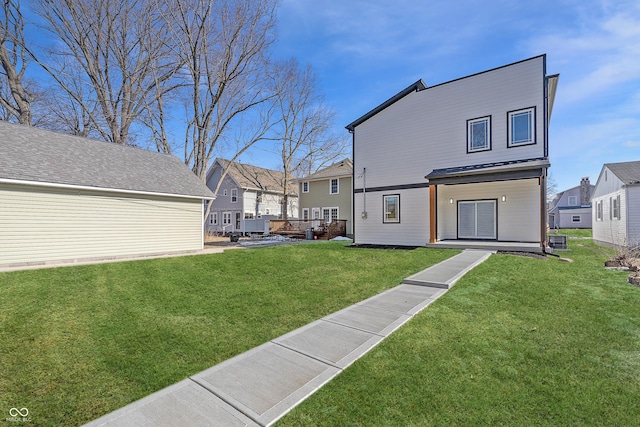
330 343
266 382
445 274
184 403
369 319
401 300
260 386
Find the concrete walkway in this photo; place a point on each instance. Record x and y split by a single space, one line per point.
258 387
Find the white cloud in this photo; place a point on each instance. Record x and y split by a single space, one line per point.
632 144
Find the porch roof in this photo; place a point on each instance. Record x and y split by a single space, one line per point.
487 172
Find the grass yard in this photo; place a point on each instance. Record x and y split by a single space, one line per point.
518 341
79 342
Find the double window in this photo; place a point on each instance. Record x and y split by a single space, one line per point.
520 130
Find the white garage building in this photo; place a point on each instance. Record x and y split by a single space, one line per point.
68 199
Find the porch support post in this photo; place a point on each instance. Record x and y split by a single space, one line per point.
543 209
432 213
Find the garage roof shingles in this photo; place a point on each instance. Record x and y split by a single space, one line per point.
41 156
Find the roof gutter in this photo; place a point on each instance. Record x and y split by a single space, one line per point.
100 189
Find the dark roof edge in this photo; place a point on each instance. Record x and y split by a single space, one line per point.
420 85
415 87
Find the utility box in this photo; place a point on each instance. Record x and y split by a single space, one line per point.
558 242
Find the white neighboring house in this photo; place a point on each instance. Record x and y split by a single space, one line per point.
572 208
616 205
248 198
65 199
457 163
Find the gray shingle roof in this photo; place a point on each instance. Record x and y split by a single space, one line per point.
627 172
41 156
256 178
341 168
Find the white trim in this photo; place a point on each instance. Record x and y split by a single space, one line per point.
487 134
303 185
337 186
106 190
531 112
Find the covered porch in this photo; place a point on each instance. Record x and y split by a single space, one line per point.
497 206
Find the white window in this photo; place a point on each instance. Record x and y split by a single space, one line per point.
575 218
305 187
599 210
225 192
615 207
226 218
213 218
316 213
391 208
305 214
234 195
248 215
329 214
573 200
520 127
334 188
479 134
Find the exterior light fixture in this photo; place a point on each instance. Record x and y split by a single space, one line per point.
450 201
504 198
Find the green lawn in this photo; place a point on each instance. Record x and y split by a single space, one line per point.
79 342
518 341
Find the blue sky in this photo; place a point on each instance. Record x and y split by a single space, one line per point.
366 51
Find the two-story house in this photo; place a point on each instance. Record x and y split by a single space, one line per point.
459 163
572 208
247 198
327 194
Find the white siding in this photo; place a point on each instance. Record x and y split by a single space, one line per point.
632 212
518 217
413 229
427 130
610 230
39 224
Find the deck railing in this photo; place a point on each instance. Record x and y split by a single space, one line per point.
298 227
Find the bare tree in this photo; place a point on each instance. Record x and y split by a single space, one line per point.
223 45
15 98
304 130
123 51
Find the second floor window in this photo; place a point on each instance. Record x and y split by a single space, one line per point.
520 124
305 187
234 195
333 186
479 134
573 200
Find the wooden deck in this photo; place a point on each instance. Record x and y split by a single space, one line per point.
298 228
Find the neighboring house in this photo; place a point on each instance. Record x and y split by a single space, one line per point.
327 194
572 208
248 198
65 198
616 205
460 162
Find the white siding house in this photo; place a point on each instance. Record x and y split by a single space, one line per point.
461 161
572 208
616 205
67 199
247 198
